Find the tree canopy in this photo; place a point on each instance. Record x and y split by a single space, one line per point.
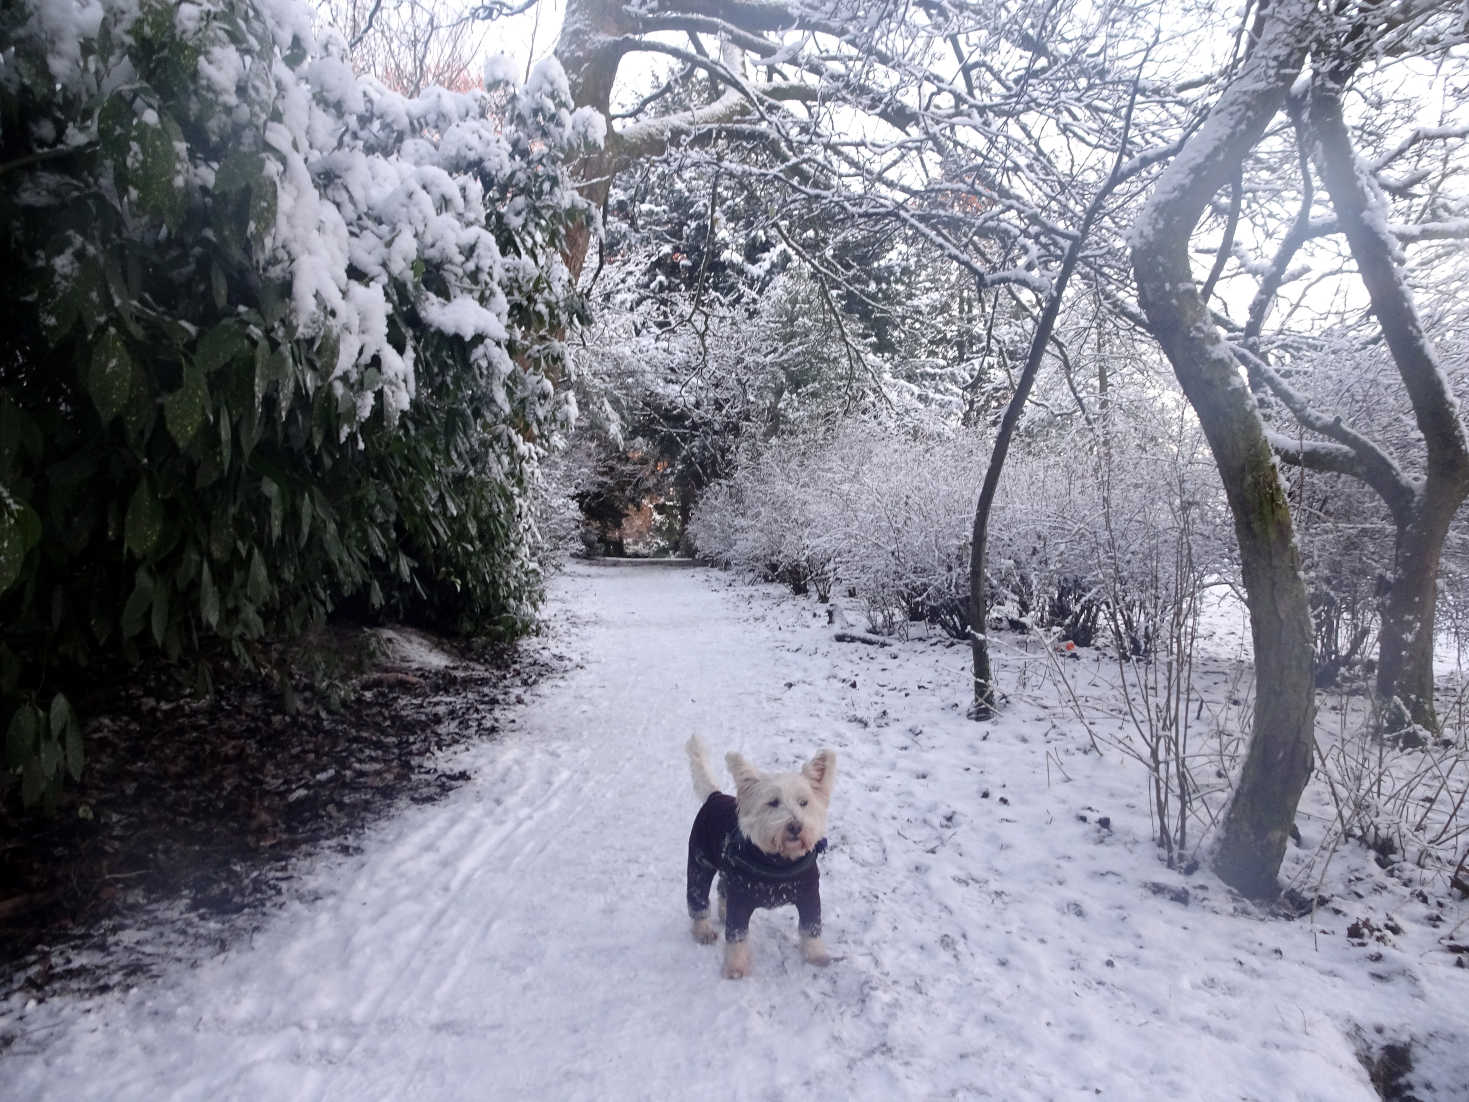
1300 153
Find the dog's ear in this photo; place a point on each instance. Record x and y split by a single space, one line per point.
744 773
821 771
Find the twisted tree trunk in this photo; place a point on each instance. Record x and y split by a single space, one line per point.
1252 839
1405 669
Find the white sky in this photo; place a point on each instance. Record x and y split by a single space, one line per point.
527 37
532 35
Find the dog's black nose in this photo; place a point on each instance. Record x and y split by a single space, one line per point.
793 829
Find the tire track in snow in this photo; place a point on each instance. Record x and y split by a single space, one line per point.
436 956
560 789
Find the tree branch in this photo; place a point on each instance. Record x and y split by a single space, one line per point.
1370 463
1361 211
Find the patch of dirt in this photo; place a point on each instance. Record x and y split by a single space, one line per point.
1389 1066
193 812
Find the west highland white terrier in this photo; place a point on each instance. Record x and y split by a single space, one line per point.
763 841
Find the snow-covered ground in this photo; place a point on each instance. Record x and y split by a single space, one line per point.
526 937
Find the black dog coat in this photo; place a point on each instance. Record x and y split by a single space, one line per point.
748 876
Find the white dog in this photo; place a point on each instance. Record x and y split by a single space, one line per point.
763 842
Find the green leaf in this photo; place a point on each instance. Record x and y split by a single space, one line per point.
250 619
219 285
19 433
272 493
143 528
238 171
221 536
12 547
225 433
153 168
188 567
263 206
306 517
101 620
61 314
222 344
262 371
160 610
257 582
20 738
137 604
113 376
186 409
208 598
208 472
50 755
30 527
272 365
61 715
115 130
297 54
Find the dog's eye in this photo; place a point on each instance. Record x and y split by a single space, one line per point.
803 803
774 803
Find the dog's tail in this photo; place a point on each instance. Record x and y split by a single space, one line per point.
704 782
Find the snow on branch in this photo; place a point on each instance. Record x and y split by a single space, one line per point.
1415 137
1361 208
1350 452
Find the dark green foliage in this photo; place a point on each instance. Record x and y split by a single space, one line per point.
188 458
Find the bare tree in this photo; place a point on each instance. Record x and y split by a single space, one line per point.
1422 503
977 129
1278 762
409 45
984 685
1209 368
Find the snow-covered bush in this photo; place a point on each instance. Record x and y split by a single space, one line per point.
279 337
865 508
886 513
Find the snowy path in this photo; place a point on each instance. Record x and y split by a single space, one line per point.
525 937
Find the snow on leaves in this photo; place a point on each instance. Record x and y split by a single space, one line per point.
362 202
291 335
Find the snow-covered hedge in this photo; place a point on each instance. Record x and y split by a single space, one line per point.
886 515
278 337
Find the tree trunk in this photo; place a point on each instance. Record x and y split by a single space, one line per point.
587 51
1405 668
983 706
1256 826
1404 684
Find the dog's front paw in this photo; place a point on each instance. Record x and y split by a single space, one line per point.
736 960
704 932
814 950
